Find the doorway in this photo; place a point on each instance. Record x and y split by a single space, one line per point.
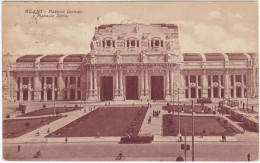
132 87
157 88
106 88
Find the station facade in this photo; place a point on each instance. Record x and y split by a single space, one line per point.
133 62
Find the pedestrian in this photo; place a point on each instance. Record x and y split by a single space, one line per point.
66 140
248 156
244 130
19 147
48 131
120 155
201 135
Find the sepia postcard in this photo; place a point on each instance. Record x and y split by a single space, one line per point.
130 81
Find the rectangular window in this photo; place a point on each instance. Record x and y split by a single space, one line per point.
42 95
221 80
25 81
187 80
79 95
199 93
108 43
32 95
18 82
127 43
132 43
66 82
55 82
193 79
49 80
209 80
79 82
138 43
72 80
222 93
161 43
42 82
18 96
151 43
209 93
199 83
32 83
232 93
66 95
186 93
156 43
238 78
244 79
232 80
103 44
215 79
114 43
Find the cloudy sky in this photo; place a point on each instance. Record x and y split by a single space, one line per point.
203 26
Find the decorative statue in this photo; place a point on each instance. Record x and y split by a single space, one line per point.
144 58
118 57
169 58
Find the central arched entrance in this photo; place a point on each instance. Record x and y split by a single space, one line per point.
132 87
157 88
106 88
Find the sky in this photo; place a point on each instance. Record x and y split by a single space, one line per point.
203 26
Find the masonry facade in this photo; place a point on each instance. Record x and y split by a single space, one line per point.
133 62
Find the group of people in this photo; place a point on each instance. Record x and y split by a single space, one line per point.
156 113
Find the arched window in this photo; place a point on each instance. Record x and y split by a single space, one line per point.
108 42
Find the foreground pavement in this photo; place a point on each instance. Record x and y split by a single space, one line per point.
156 151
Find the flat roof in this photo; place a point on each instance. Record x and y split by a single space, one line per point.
51 58
214 57
74 58
236 56
28 58
192 57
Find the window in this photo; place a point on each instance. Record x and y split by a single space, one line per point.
222 93
238 78
72 80
222 80
215 78
49 80
25 81
209 80
193 79
132 43
187 81
244 79
32 83
232 93
156 43
232 80
108 43
18 82
55 82
209 93
199 83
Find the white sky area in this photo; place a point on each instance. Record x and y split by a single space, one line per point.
203 26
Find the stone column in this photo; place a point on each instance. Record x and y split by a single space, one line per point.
171 83
242 86
37 87
189 92
167 97
53 88
116 80
95 83
197 85
142 82
90 83
121 83
227 84
146 83
212 88
235 87
204 84
76 89
21 89
61 86
45 88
